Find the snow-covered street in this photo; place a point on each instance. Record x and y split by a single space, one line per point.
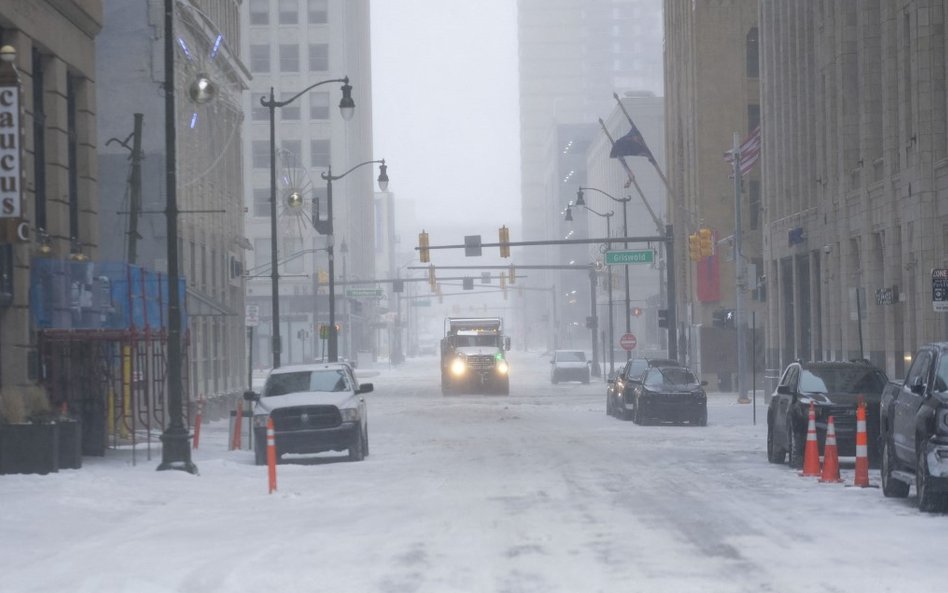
540 491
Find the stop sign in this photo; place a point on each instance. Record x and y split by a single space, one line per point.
627 341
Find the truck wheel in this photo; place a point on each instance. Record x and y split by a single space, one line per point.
928 501
775 453
891 487
504 388
356 450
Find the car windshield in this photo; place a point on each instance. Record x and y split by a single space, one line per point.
842 379
302 381
636 368
571 356
672 376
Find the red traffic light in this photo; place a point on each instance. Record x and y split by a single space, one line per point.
636 311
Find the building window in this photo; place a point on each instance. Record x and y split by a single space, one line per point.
72 154
318 57
291 246
259 12
39 140
295 148
319 153
753 117
259 58
261 154
290 111
261 252
289 58
261 202
289 12
753 54
319 105
318 12
257 111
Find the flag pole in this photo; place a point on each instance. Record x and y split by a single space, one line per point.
651 160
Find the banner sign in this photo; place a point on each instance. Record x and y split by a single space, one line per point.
9 151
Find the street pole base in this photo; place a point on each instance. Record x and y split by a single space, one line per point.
176 451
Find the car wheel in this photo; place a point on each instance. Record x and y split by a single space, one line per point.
608 405
356 450
891 487
365 441
586 379
635 414
554 379
928 501
702 419
796 447
260 451
775 453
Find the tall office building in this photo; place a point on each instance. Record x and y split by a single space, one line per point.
291 45
574 54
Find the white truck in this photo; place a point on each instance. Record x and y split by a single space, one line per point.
473 356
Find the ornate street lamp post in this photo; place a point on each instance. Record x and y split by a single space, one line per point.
346 108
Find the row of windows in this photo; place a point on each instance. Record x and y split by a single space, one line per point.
318 152
288 12
318 107
289 58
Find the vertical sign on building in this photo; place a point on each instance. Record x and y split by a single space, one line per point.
9 151
940 290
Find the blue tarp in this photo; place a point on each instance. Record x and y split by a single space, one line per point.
67 294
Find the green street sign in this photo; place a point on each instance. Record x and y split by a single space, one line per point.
634 256
421 303
364 293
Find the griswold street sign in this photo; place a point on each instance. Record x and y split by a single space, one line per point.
630 256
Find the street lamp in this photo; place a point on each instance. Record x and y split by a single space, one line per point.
625 229
325 227
608 217
346 108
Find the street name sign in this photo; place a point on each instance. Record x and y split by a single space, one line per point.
631 256
252 315
364 293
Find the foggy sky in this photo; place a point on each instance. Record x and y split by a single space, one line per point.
445 111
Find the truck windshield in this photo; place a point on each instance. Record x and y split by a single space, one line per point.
844 379
302 381
485 340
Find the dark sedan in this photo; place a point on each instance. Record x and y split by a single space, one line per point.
669 394
835 389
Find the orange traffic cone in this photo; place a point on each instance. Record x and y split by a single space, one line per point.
862 448
811 455
830 455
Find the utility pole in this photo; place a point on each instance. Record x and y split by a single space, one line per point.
135 190
739 274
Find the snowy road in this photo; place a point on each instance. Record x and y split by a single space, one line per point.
536 492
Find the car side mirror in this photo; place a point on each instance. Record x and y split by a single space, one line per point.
251 396
366 388
918 388
784 390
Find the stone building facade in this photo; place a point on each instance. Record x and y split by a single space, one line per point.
855 177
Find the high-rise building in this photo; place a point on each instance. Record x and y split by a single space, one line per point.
291 45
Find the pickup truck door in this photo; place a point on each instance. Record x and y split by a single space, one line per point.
906 407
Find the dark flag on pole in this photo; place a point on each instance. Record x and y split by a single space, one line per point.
632 144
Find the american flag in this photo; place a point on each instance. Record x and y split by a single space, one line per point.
750 152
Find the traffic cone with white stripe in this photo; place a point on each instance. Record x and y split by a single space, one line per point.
830 455
862 449
811 455
271 456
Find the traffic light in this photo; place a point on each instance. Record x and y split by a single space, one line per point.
503 285
636 311
504 234
513 274
423 254
663 318
723 318
432 280
694 247
705 242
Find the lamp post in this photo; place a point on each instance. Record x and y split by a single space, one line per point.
346 108
325 227
608 217
344 250
625 229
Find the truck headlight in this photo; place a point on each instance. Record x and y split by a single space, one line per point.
502 367
458 367
349 414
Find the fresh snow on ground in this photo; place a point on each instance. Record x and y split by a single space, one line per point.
536 492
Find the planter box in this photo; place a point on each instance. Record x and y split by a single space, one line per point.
31 448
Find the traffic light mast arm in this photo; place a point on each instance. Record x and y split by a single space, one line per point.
646 239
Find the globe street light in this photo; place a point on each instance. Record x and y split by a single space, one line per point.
608 217
625 229
325 228
346 108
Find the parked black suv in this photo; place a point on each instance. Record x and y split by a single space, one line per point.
835 389
914 430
